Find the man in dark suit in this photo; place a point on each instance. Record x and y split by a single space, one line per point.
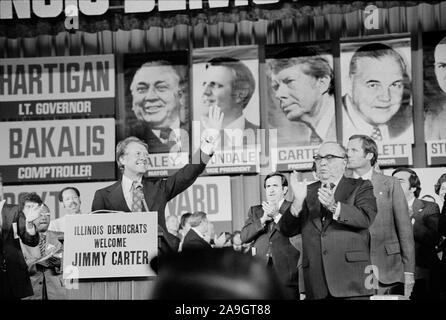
333 215
15 224
270 244
230 84
136 193
159 94
424 217
196 236
392 247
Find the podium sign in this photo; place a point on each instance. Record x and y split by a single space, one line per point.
110 245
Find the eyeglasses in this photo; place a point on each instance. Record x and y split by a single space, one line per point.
328 157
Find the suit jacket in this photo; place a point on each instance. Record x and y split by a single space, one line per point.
11 253
335 254
157 192
270 241
425 230
145 133
192 241
51 276
393 247
442 222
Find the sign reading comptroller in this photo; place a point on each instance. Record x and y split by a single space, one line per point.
57 87
110 245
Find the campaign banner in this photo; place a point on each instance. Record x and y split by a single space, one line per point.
208 194
156 91
110 245
300 100
376 91
394 154
49 193
434 89
436 152
57 150
229 78
57 87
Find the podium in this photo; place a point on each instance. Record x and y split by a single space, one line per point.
107 256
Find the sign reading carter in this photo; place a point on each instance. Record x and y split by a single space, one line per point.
57 87
110 245
57 150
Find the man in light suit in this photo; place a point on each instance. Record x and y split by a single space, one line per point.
425 218
270 244
392 247
45 274
15 225
134 192
196 236
334 216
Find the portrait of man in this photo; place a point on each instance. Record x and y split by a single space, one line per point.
376 100
435 85
227 80
157 94
302 91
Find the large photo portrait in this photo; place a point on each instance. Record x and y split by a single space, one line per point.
229 78
157 107
377 95
300 100
434 86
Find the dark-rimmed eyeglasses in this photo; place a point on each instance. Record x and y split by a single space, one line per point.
328 157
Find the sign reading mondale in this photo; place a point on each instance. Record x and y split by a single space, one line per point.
53 8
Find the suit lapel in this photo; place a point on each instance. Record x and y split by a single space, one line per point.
417 207
314 206
116 197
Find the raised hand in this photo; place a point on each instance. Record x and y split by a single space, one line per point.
326 197
299 188
215 120
32 213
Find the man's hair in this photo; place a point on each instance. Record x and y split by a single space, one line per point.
440 181
428 196
442 41
178 70
242 80
60 196
122 146
278 174
314 64
414 181
375 51
184 218
340 146
196 218
30 197
368 145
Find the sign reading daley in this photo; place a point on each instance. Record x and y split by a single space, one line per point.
57 150
111 245
57 87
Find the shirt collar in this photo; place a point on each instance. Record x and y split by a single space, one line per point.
199 233
359 125
127 183
366 176
410 202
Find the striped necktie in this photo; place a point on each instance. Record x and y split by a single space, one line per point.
376 134
137 196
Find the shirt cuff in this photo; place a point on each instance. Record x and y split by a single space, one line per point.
337 212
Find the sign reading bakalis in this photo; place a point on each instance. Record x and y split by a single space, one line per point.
57 87
57 150
110 245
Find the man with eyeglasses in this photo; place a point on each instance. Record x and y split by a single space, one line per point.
136 193
333 215
392 245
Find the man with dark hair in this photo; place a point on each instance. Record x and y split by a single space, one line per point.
334 216
196 236
16 225
71 203
159 94
262 228
303 84
229 84
392 241
378 102
135 193
424 216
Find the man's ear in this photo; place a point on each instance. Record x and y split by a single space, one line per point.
323 84
240 95
285 190
369 156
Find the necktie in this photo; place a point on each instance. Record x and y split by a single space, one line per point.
376 134
315 139
165 134
42 244
271 226
137 196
